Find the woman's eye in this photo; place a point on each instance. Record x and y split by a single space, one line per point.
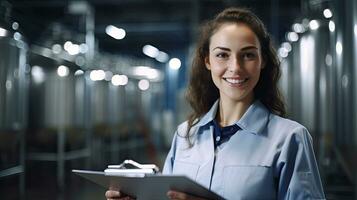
248 55
222 55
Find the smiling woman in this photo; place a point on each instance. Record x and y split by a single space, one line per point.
236 142
235 63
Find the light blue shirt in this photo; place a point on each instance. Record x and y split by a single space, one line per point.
268 158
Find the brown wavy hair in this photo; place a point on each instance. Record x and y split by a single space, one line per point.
202 92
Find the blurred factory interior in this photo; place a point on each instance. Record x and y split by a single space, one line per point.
84 84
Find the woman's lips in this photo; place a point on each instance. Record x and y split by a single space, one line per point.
235 80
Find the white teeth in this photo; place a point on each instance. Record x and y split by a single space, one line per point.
235 81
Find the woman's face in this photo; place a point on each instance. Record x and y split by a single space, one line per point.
235 62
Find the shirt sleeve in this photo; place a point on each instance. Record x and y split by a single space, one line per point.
169 162
297 169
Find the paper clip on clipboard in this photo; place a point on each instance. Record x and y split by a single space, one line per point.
132 169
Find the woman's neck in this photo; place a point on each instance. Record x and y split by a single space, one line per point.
231 111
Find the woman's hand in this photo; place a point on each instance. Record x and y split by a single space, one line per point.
181 196
113 194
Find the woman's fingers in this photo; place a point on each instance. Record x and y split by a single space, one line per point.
109 194
116 195
181 196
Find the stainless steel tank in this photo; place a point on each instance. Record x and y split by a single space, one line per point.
56 105
13 105
13 80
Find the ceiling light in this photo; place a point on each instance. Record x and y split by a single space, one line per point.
147 72
298 28
287 46
175 63
327 13
97 75
151 51
328 60
314 24
144 84
73 49
292 36
283 52
339 48
331 26
162 57
15 26
3 32
56 48
115 32
17 36
119 80
38 75
78 72
62 71
83 48
108 75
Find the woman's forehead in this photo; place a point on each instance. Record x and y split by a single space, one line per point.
231 34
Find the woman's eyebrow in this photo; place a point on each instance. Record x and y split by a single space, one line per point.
228 49
222 48
249 48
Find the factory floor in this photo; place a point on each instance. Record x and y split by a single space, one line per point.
41 180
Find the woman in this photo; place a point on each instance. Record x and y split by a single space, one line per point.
236 142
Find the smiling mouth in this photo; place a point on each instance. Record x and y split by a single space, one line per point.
235 81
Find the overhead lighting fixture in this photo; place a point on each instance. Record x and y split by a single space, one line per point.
328 60
115 32
327 13
119 80
144 84
3 32
331 26
287 46
292 36
38 75
298 28
314 24
97 75
79 72
175 63
147 72
83 48
162 57
151 51
108 75
15 26
71 48
56 48
339 48
17 36
283 52
62 71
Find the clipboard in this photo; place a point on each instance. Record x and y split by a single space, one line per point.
150 187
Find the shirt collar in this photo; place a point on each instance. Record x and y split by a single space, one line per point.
209 116
254 119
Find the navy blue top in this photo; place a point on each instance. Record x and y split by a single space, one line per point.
223 134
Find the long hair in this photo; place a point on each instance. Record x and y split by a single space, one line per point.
202 92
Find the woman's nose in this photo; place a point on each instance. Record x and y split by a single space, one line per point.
235 65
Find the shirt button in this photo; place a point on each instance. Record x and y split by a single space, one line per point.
218 138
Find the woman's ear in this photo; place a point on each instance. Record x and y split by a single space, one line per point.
208 65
